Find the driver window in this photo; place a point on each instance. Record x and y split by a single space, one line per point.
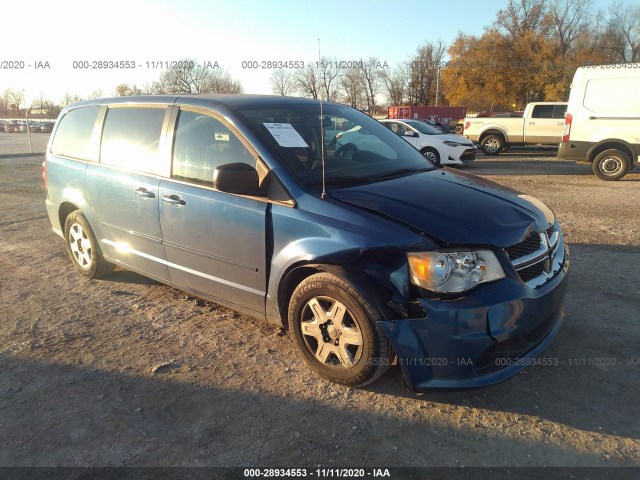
201 144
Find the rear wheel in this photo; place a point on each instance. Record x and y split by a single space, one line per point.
83 248
334 329
492 145
611 164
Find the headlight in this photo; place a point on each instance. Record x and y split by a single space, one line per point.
452 272
457 144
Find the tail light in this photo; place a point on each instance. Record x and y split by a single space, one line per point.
567 127
44 173
467 125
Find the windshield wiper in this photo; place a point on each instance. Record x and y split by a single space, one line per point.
401 172
348 180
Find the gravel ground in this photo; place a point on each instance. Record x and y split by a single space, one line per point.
126 371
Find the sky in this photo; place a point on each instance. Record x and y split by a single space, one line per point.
53 34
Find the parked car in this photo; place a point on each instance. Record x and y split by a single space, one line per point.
438 147
367 257
12 127
602 125
540 124
46 127
3 123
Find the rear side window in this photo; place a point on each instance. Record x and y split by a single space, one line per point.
559 111
131 138
542 111
203 143
74 134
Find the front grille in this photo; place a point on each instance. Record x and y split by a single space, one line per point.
535 257
530 245
468 155
529 273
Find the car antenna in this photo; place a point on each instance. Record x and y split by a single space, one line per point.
324 195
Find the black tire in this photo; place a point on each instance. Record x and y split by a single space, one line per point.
611 164
459 129
431 154
367 361
85 256
492 145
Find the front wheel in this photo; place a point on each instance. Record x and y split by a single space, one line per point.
611 164
492 145
431 154
83 248
334 330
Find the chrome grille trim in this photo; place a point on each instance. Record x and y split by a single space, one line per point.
547 259
527 260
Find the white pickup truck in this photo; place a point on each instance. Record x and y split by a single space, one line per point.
542 123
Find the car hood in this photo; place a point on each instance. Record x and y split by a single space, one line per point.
453 207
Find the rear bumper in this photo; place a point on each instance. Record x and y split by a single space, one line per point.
481 339
577 151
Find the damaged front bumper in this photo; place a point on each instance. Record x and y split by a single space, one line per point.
483 338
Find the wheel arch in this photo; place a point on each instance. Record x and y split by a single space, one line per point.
612 143
493 131
65 209
374 293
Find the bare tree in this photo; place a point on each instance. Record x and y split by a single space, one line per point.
15 98
96 94
520 18
425 68
395 85
125 90
370 78
329 71
352 87
39 103
281 81
68 99
623 32
191 77
307 81
219 81
568 19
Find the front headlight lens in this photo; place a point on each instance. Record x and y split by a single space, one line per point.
457 144
453 272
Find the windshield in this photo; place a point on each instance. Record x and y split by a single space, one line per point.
423 127
357 148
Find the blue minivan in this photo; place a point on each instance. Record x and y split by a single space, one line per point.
365 251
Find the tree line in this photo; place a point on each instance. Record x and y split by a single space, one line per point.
529 53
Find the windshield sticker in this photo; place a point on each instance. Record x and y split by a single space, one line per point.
221 137
286 135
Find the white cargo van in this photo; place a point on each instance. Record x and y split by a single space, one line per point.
602 125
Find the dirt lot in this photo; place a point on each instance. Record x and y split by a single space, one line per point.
125 371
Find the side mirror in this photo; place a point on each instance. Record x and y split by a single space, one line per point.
410 133
239 178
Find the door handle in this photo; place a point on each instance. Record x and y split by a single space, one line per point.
173 200
144 193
